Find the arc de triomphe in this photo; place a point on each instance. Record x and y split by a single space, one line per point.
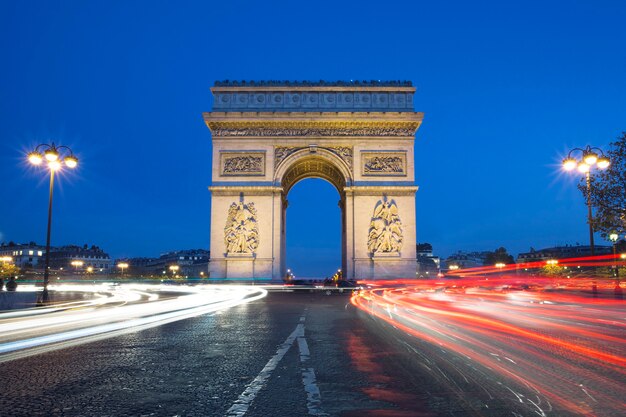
269 135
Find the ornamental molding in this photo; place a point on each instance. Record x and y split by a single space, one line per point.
385 232
314 128
242 163
383 163
241 233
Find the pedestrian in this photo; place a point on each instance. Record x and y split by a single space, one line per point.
12 284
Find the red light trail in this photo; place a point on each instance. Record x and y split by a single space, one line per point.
543 345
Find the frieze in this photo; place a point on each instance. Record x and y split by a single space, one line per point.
383 163
305 132
237 163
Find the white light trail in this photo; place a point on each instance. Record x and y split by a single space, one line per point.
127 308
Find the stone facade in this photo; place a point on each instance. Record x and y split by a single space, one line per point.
267 136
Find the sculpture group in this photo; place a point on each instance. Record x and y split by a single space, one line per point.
241 232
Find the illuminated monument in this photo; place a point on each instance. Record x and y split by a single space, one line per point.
268 135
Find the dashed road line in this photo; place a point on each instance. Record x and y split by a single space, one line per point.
314 399
240 407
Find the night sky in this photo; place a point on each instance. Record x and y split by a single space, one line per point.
507 89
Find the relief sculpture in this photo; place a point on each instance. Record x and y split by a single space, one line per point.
384 164
241 233
385 233
234 163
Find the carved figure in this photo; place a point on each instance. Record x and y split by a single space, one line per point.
385 234
241 233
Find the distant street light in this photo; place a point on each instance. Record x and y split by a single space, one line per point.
174 269
589 159
77 264
122 266
54 157
613 238
6 259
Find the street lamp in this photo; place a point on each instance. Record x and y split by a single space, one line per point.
174 269
77 264
54 157
122 266
590 157
613 238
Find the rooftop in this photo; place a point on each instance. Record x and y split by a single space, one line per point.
307 83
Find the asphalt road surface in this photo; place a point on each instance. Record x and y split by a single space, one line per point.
288 354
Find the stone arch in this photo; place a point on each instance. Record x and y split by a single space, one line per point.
268 136
312 162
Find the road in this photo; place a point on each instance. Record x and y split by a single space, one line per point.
285 354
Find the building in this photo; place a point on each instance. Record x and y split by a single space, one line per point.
428 265
187 263
80 259
25 255
464 260
562 252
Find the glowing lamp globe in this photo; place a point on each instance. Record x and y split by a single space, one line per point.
54 165
35 158
590 158
569 164
51 155
71 161
603 162
583 167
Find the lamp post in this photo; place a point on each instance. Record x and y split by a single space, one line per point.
77 264
613 238
122 266
174 269
54 157
590 157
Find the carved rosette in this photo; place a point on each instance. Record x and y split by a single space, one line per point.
241 233
385 232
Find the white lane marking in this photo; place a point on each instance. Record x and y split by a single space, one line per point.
241 405
313 397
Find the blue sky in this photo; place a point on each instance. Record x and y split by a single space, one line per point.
507 89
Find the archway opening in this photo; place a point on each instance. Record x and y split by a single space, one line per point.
313 229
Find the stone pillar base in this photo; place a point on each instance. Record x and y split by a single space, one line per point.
385 266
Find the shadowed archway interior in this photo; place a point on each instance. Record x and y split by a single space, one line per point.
312 167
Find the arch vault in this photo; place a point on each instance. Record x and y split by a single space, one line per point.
267 136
